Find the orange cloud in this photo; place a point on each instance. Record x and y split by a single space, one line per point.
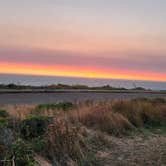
77 71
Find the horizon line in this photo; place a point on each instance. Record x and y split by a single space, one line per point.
77 77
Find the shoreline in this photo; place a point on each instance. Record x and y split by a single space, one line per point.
15 91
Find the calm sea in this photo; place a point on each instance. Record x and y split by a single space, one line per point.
47 80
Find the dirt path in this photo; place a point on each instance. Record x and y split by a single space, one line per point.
138 151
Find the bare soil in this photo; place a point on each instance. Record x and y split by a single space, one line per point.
137 151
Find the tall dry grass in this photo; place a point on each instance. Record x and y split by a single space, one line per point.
101 117
118 117
115 117
18 111
64 142
142 112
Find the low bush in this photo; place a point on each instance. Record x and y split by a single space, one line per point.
38 145
52 109
60 106
3 122
22 153
19 154
3 114
3 150
3 118
34 126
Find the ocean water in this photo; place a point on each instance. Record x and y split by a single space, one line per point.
48 80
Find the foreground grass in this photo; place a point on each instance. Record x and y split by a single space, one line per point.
73 134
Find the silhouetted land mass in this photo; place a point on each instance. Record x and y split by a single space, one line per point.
65 86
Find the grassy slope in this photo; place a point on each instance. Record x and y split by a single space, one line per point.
91 133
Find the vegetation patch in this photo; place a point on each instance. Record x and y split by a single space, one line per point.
75 137
4 117
3 114
22 153
105 120
65 144
65 106
34 126
142 113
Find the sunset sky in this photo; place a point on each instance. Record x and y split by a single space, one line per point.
84 38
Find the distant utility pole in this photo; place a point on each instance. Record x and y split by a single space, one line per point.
134 85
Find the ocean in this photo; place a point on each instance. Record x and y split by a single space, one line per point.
48 80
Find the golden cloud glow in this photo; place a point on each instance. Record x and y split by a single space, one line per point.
75 71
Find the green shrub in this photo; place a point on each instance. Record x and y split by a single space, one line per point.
64 106
3 118
3 150
3 122
38 145
22 153
60 106
3 114
34 126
